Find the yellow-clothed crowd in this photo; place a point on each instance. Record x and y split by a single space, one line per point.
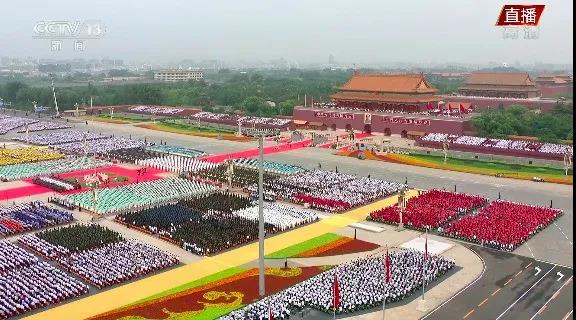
25 155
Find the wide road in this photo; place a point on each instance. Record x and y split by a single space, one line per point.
512 287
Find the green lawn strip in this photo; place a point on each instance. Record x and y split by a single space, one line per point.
196 283
493 165
124 118
192 128
304 246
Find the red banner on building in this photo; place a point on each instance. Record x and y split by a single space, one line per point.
399 120
520 15
334 115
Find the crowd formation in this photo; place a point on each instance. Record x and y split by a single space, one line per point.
9 156
27 284
233 119
27 170
156 110
143 194
117 262
59 137
507 144
30 216
43 125
219 221
430 209
179 164
242 177
331 191
8 123
361 283
502 225
176 150
56 184
269 166
99 146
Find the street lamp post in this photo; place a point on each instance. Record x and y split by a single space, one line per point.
401 205
261 271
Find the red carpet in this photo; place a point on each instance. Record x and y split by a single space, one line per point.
33 189
26 191
251 153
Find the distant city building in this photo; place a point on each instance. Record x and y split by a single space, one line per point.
500 85
179 75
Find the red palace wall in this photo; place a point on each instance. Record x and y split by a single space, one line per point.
554 91
484 103
379 123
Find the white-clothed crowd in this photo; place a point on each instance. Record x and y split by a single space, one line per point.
60 137
8 123
60 183
331 191
27 284
281 216
12 257
507 144
361 282
156 110
117 262
43 247
43 125
244 120
174 163
100 146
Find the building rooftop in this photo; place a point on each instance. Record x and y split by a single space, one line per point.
388 83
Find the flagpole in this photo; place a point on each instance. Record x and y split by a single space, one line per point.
424 267
385 284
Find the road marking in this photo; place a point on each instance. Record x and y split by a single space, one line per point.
468 314
538 270
495 291
518 273
531 253
507 282
560 275
567 315
526 267
483 302
525 293
463 289
565 236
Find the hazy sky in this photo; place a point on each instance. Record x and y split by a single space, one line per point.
363 31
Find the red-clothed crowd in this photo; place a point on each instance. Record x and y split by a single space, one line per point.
502 225
430 210
330 205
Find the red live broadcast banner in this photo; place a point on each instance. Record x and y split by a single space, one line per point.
520 15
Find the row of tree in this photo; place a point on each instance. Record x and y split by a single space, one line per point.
551 126
247 92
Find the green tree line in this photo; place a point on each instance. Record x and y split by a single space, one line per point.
246 92
551 126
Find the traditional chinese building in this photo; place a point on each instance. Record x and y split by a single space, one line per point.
383 103
386 92
500 85
554 85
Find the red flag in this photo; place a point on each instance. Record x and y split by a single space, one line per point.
462 108
336 293
429 105
387 267
270 316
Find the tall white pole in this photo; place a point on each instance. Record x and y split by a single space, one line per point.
55 101
261 271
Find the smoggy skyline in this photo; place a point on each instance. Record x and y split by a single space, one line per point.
376 32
